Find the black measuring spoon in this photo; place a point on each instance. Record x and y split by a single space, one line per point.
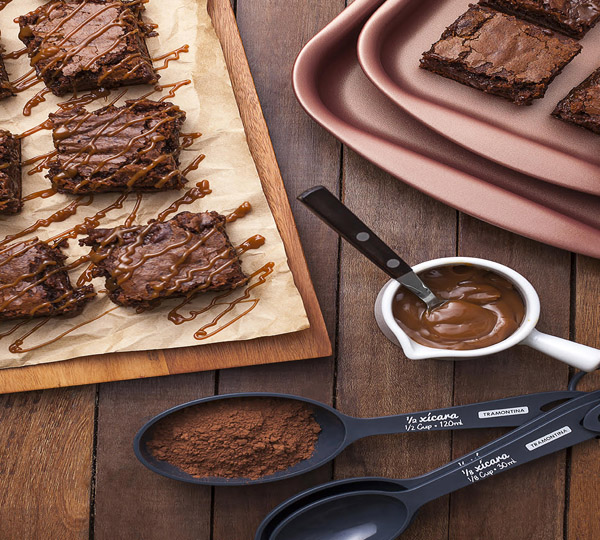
381 509
339 430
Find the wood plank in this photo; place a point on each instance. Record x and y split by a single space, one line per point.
130 500
584 494
307 156
374 377
310 343
46 442
527 502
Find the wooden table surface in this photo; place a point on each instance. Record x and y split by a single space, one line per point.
67 469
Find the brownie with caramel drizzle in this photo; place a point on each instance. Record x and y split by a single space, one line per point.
184 256
87 44
34 282
6 89
134 147
10 173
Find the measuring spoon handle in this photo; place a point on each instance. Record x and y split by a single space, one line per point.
333 212
506 412
566 425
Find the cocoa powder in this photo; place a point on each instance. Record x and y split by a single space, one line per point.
236 438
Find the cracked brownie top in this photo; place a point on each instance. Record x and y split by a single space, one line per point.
500 54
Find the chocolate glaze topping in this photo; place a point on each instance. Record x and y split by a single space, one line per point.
483 309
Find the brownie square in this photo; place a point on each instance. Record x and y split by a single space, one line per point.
10 173
87 44
6 89
186 255
130 148
500 54
582 106
570 17
35 283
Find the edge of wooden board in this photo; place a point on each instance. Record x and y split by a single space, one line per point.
313 342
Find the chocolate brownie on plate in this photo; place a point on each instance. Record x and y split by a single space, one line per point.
186 255
10 173
87 44
582 106
500 54
571 17
35 283
130 148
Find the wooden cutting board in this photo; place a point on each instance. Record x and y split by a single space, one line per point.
311 343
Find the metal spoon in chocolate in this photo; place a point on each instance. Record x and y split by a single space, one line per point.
382 509
338 430
339 217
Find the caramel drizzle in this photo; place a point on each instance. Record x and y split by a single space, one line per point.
25 82
241 211
201 190
170 56
57 217
188 139
85 99
86 276
202 333
176 318
42 194
46 124
174 87
44 163
40 97
4 3
131 218
193 165
16 346
14 55
90 222
14 328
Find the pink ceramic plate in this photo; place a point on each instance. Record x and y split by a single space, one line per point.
333 89
525 138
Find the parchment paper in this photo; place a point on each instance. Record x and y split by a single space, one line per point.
212 110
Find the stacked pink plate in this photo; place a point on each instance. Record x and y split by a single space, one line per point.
514 167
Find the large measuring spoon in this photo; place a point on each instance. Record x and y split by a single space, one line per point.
339 217
381 509
339 430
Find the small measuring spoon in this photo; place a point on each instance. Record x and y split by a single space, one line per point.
381 509
339 217
338 430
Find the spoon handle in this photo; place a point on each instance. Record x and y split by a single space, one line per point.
566 425
335 214
506 412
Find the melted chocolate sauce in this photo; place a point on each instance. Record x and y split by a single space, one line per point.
483 308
